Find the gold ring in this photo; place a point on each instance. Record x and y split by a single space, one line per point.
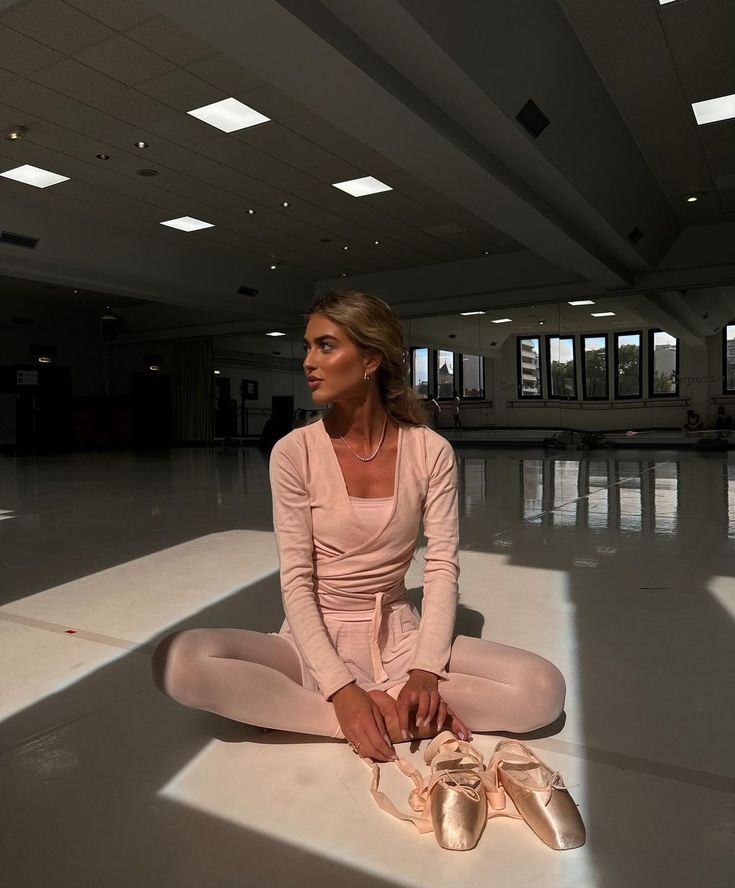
355 747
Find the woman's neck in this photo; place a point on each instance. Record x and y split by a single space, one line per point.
360 421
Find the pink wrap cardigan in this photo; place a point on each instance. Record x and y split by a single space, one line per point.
344 595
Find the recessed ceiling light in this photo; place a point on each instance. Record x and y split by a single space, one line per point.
272 266
103 157
541 323
345 247
583 302
602 314
275 333
486 253
664 2
712 110
361 187
503 321
217 372
285 203
187 223
229 115
376 243
344 274
467 314
16 134
694 197
251 212
141 144
30 175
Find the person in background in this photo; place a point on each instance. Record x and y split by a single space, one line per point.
722 420
694 422
435 410
456 403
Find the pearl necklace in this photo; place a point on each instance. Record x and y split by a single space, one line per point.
377 449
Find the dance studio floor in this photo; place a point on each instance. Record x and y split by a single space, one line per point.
617 565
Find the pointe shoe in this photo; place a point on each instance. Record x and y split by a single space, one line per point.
539 795
456 793
453 802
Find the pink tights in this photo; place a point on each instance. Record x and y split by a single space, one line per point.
255 678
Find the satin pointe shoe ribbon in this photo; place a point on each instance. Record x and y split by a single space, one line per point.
538 794
453 802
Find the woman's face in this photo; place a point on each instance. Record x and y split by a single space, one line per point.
333 364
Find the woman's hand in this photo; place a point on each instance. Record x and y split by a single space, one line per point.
362 723
420 695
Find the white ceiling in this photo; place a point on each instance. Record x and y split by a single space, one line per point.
418 93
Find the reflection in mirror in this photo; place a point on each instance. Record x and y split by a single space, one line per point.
665 496
629 495
445 374
598 500
562 373
532 486
421 372
473 489
729 471
729 358
566 492
628 365
529 367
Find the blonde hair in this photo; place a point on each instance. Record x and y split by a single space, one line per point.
374 327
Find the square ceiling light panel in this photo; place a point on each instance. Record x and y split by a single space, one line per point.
582 302
30 175
713 110
229 115
603 314
362 187
503 321
188 223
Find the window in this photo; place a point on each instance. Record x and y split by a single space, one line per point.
420 372
663 365
529 367
562 376
628 365
473 376
594 368
445 374
728 359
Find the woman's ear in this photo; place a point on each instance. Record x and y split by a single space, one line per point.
371 362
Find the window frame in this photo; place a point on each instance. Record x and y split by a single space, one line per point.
460 387
519 370
651 394
551 396
437 352
616 351
582 351
413 349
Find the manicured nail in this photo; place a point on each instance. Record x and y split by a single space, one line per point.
387 739
419 722
461 735
439 726
405 734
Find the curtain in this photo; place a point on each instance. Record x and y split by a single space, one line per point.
193 390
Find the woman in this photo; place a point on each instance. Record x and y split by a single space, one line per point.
353 660
456 405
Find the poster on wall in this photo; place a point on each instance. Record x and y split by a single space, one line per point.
249 389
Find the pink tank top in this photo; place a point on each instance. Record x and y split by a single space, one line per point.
372 513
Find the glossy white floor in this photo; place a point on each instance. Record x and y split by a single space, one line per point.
619 567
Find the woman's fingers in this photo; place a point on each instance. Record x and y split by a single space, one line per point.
366 749
403 716
441 715
428 707
457 726
379 736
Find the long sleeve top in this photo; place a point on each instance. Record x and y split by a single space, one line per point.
331 568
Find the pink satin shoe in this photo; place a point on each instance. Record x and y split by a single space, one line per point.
538 793
453 803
